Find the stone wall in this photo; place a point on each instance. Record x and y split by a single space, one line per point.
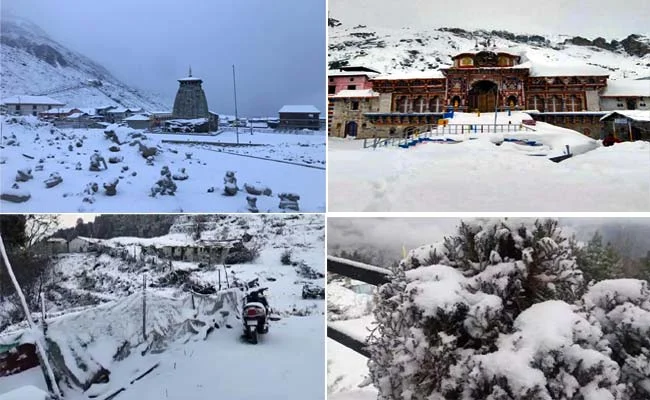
344 114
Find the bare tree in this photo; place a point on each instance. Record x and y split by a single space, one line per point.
38 227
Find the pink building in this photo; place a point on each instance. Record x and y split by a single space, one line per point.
347 78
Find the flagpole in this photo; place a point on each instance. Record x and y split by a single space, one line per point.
234 85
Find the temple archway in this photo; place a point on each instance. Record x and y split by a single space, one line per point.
482 96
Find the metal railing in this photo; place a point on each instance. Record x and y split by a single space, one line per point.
427 131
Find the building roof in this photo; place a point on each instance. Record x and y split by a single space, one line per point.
512 52
538 69
118 110
299 109
43 100
627 88
337 72
137 117
60 110
412 75
76 115
356 93
635 115
57 240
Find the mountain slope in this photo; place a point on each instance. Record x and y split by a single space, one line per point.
35 64
409 50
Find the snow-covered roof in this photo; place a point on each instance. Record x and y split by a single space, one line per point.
412 75
118 110
627 88
357 93
137 117
636 115
335 72
299 109
57 240
539 69
43 100
60 110
76 115
28 392
514 52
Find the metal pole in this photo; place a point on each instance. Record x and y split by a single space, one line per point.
496 106
234 85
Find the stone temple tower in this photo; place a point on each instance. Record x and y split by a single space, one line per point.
190 102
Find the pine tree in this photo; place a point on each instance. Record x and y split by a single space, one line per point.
598 261
441 329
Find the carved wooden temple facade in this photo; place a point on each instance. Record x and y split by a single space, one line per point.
484 81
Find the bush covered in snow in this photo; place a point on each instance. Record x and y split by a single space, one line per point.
496 311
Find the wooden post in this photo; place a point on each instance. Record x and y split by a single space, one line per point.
629 127
144 307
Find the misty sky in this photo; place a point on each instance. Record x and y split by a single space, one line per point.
387 236
278 47
588 18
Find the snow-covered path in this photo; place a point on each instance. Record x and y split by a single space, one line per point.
286 364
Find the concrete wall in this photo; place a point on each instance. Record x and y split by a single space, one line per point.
591 100
342 82
612 104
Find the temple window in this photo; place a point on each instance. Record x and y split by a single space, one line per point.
434 104
419 105
402 104
354 105
466 61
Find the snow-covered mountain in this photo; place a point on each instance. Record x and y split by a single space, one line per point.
410 50
35 64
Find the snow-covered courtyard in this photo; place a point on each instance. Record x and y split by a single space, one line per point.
195 166
473 174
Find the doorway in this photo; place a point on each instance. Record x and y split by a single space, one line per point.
482 96
351 129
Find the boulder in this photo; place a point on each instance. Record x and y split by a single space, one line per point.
23 175
53 180
15 196
110 187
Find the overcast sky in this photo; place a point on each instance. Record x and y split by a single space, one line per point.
588 18
278 47
387 236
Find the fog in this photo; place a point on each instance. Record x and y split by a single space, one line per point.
384 238
278 48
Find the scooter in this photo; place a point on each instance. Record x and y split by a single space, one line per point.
255 316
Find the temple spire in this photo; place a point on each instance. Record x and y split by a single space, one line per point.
190 75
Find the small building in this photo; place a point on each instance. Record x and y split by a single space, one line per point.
57 245
138 121
59 112
81 244
626 94
29 105
299 117
348 109
628 124
103 110
120 113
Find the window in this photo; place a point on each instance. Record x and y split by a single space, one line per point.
351 79
419 105
34 107
402 104
331 89
17 107
434 104
355 105
331 79
352 87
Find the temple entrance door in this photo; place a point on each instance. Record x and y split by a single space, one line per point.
482 96
351 129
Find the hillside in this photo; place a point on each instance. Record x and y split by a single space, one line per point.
411 50
35 64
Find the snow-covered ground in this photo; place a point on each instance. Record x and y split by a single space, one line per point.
476 175
62 151
202 354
